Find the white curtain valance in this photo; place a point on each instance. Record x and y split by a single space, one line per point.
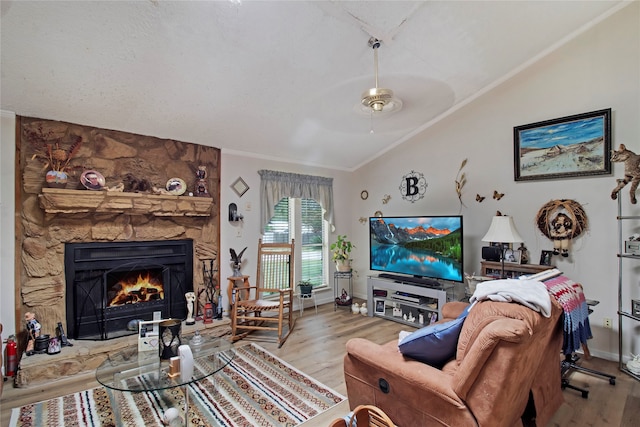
274 185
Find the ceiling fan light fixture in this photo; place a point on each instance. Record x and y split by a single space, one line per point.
378 100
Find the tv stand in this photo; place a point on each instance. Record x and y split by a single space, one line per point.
396 298
419 281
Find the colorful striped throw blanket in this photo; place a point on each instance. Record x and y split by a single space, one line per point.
576 311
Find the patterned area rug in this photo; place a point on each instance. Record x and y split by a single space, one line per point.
255 389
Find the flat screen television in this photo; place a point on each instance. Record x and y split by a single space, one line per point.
423 248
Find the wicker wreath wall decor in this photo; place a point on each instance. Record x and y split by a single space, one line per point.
560 221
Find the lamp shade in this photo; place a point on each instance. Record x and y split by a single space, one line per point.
502 230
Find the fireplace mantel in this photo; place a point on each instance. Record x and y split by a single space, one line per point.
60 201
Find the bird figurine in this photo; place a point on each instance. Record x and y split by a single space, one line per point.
363 309
355 308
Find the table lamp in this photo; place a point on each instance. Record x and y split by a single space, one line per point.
503 231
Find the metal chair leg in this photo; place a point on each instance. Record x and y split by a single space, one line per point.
569 364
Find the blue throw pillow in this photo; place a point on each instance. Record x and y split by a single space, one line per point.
434 344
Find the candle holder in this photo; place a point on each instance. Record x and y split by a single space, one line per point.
208 312
170 338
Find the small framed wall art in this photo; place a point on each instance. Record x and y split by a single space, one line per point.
239 186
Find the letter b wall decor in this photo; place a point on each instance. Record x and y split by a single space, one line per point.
413 186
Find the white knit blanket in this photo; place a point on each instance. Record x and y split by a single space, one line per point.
530 293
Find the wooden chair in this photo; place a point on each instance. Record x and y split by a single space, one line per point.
365 416
268 305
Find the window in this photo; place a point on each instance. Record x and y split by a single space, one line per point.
302 220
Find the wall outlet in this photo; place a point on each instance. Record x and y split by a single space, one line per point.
607 322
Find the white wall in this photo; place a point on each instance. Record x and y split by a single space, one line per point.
7 235
238 235
600 69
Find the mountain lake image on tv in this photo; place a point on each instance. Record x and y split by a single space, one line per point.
419 246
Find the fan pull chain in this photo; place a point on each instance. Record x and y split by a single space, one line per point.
371 118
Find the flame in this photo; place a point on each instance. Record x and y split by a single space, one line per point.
134 290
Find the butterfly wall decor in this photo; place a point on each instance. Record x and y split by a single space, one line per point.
479 198
496 195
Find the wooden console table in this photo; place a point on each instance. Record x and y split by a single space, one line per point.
494 269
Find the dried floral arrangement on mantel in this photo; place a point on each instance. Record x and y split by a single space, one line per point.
55 151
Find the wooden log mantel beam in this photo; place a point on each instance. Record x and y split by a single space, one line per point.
60 201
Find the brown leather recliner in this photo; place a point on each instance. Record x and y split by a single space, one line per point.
505 352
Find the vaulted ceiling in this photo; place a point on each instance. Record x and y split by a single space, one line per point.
274 79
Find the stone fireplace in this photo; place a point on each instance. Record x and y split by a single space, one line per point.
56 224
109 284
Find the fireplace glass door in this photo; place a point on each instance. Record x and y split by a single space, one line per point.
110 285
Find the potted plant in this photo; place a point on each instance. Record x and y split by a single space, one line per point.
305 287
340 251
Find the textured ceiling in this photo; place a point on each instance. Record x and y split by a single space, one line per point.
275 79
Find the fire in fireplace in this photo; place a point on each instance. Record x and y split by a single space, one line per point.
109 284
137 287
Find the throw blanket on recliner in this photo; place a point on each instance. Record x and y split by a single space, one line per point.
530 293
576 311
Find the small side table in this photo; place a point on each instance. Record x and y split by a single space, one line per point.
302 298
342 275
233 283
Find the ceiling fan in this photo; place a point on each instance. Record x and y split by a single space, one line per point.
378 100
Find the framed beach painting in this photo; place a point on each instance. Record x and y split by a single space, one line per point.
572 146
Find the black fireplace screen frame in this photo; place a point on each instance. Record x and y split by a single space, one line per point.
86 268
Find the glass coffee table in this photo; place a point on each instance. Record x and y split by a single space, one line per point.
131 371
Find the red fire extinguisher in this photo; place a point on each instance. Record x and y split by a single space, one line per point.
12 356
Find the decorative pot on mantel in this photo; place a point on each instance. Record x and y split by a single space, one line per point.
56 179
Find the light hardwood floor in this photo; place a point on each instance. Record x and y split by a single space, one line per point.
317 345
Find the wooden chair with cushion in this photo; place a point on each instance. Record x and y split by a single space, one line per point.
268 305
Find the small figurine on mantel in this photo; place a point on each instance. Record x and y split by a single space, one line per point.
202 188
33 331
524 254
191 299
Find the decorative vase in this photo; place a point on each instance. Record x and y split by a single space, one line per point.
343 265
56 179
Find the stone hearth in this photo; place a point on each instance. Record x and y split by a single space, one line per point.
88 355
